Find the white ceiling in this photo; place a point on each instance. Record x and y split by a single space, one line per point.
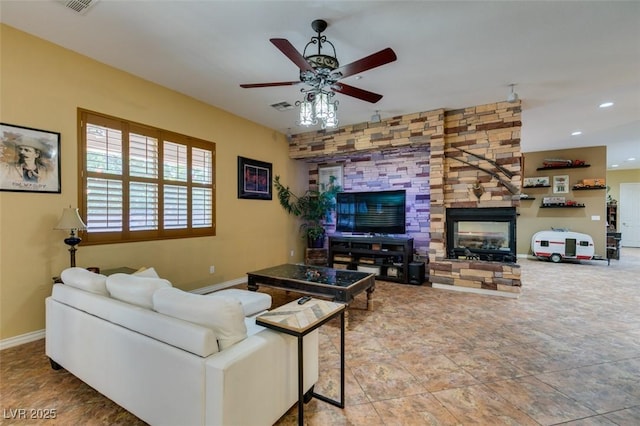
565 57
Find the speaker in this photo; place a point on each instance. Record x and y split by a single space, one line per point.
416 272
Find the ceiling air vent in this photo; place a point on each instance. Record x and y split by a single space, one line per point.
81 7
282 106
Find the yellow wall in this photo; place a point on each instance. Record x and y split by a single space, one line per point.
533 218
41 86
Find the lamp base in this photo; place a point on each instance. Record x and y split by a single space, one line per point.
72 241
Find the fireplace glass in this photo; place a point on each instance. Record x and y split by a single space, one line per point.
482 234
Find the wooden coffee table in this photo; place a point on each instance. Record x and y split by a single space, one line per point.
338 285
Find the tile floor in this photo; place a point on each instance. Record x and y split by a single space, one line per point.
566 352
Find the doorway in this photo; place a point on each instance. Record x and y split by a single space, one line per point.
630 214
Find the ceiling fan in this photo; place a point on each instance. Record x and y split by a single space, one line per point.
322 72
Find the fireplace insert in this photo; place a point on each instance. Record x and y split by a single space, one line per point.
482 233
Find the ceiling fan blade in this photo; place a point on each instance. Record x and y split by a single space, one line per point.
280 83
365 95
372 61
290 52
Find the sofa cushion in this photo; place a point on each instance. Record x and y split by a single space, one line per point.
85 280
135 289
224 315
146 272
194 338
252 302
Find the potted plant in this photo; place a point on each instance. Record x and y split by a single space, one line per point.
312 207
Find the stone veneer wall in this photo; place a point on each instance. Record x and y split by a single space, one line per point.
491 130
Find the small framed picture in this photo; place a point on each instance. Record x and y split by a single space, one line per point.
29 159
325 175
561 184
254 179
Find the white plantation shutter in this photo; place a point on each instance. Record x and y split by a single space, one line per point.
141 183
105 205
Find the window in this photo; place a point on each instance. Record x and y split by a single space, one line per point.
140 183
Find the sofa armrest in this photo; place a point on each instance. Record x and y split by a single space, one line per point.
258 378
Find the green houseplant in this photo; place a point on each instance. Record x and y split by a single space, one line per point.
312 207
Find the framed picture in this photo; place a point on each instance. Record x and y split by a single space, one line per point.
561 184
254 179
29 159
324 176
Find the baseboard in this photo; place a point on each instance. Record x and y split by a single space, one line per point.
476 290
21 339
37 335
220 286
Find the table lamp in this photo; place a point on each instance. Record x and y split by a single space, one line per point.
71 221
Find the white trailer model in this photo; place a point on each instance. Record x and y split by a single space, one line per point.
558 244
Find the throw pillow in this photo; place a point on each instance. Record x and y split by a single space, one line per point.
134 289
85 280
224 315
146 272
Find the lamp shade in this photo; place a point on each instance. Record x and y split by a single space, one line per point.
70 220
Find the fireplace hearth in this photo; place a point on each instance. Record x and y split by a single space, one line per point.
487 234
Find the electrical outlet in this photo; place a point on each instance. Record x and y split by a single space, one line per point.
212 269
291 253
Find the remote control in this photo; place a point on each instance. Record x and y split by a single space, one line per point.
303 300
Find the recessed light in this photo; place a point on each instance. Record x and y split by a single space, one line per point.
631 159
606 104
614 165
576 133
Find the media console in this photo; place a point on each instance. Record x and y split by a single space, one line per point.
386 257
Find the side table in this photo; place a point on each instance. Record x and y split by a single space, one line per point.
299 320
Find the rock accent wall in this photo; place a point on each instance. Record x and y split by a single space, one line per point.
394 153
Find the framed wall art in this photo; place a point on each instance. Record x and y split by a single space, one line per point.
561 184
324 176
29 159
254 179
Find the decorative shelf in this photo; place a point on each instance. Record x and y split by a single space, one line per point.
588 189
537 186
582 206
527 198
564 167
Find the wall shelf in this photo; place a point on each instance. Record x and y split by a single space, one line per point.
582 206
588 189
537 186
564 167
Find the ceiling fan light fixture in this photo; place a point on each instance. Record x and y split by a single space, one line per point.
306 114
320 71
321 105
332 118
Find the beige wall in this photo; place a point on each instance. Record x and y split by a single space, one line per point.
533 218
41 86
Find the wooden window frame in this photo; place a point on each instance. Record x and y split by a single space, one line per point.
161 233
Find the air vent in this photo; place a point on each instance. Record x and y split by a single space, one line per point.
282 106
81 7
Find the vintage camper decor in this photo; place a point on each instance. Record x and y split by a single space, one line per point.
559 244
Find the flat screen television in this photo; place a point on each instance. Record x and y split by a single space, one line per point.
381 212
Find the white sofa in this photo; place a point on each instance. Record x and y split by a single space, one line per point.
169 371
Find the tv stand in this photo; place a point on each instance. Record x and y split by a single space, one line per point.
387 257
